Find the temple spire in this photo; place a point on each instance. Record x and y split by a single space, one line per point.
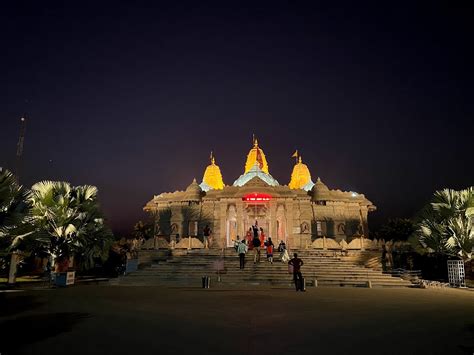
256 155
212 179
300 177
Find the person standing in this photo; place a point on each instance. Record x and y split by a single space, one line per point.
297 263
270 247
256 250
284 256
242 250
255 230
281 246
207 235
236 243
261 236
248 236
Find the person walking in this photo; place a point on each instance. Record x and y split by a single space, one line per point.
297 263
256 250
249 236
242 250
270 247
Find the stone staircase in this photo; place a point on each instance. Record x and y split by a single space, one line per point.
186 268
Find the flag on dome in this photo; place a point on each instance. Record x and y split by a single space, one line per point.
259 159
295 154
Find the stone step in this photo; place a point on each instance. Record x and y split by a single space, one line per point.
187 269
275 275
250 282
270 277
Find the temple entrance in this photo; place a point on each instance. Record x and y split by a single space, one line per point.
257 213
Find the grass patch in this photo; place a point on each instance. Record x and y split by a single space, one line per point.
22 279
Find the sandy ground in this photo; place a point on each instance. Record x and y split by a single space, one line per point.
153 320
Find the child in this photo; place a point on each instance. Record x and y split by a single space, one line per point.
270 246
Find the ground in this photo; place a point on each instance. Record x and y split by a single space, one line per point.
152 320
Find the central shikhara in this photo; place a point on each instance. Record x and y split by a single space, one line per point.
296 213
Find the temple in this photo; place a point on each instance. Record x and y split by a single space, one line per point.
297 213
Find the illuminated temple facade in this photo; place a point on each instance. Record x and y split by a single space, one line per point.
296 213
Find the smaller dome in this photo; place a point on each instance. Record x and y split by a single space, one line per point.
320 191
212 178
193 192
301 177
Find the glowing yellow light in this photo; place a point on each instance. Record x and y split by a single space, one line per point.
256 154
212 176
300 175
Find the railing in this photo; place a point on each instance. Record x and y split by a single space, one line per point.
404 274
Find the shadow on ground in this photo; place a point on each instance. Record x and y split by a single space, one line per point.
18 304
33 328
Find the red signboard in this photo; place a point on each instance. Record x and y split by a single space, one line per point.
256 197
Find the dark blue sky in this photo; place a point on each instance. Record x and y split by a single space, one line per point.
132 98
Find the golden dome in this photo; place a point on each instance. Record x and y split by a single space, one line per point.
300 177
256 155
212 178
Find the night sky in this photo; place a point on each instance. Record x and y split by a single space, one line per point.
132 98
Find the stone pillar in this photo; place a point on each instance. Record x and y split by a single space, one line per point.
220 240
290 223
363 220
239 206
177 218
273 219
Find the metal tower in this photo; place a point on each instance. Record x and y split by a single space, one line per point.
19 146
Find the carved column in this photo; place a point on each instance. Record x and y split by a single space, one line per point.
177 218
239 206
273 219
220 240
290 223
363 220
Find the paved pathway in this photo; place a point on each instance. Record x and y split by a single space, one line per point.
151 320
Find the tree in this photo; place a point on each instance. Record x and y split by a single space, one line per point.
445 225
14 208
143 230
14 220
396 229
67 221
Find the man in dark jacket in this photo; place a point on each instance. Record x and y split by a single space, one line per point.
297 263
256 250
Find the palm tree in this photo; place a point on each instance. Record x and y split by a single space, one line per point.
70 220
445 225
14 213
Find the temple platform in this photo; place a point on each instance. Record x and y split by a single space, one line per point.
185 268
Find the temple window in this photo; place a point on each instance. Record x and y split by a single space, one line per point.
319 229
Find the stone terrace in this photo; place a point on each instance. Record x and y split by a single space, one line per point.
186 268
